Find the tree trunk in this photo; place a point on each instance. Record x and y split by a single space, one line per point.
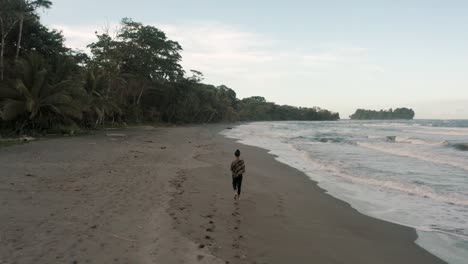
2 36
108 86
2 47
20 35
211 117
4 30
141 93
195 116
2 67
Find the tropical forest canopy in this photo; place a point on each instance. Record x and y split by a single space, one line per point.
399 113
132 76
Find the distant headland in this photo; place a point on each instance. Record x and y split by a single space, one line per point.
399 113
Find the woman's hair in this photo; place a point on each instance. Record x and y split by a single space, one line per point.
237 153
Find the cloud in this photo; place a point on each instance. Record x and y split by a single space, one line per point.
77 37
216 44
220 48
215 48
254 63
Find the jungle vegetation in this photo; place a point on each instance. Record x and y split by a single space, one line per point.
130 77
399 113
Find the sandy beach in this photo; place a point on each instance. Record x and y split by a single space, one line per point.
164 195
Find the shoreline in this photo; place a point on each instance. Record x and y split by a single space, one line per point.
390 235
346 173
164 195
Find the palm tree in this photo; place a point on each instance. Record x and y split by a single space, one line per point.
8 19
99 107
28 7
33 100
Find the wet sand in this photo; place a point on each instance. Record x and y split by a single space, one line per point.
164 195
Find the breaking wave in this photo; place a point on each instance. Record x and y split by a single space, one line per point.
416 155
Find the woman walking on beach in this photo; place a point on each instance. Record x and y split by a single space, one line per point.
237 168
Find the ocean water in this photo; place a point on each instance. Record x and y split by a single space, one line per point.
413 173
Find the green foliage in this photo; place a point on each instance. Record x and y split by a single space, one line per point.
39 38
134 77
399 113
37 99
256 108
99 107
146 51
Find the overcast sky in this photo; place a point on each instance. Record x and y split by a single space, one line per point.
339 55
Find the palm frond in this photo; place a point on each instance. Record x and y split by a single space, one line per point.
38 83
22 89
7 90
58 98
11 109
69 110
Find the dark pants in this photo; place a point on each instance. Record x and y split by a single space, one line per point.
237 183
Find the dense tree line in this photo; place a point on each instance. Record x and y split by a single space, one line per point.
132 77
399 113
256 108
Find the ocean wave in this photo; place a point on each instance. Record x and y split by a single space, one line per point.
323 138
420 156
418 141
409 140
393 124
408 188
330 139
441 131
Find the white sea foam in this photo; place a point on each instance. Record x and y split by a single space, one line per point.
411 189
418 141
429 157
453 131
388 124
